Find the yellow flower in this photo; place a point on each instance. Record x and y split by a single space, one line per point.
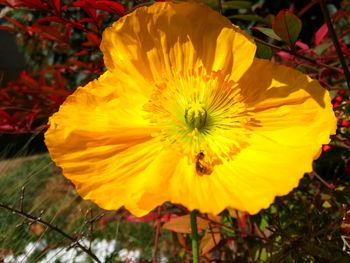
186 114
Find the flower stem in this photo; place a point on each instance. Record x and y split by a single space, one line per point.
195 248
335 41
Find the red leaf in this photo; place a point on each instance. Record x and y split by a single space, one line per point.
285 55
88 6
4 114
287 26
150 217
147 218
57 5
67 33
86 20
61 21
92 40
32 4
59 80
111 6
37 229
340 14
6 128
321 34
11 3
5 2
82 53
7 28
209 241
51 19
302 45
182 224
28 80
48 32
16 23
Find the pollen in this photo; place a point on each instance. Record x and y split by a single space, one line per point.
200 113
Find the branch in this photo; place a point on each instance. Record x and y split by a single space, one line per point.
52 227
297 55
220 6
335 41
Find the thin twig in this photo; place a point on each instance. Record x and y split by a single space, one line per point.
91 228
212 234
297 55
335 40
155 249
341 144
220 6
52 227
306 8
22 197
328 185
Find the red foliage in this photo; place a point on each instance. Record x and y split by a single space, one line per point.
26 104
321 34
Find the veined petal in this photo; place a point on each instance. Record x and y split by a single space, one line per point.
102 142
291 117
156 182
263 171
167 37
209 193
288 107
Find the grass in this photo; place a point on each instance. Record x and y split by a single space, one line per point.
49 194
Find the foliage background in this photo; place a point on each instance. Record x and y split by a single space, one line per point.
60 42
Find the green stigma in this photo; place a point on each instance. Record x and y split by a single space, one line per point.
195 115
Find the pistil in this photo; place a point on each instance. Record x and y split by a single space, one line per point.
195 116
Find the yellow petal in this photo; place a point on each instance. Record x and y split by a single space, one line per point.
102 142
206 193
291 118
289 107
121 143
155 183
167 37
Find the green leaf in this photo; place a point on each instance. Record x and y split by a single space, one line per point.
326 204
237 5
263 51
263 223
320 49
287 26
268 32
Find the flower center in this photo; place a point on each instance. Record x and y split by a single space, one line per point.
202 116
196 115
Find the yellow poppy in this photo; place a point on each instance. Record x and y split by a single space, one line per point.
186 114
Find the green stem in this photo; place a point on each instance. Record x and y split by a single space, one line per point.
195 248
